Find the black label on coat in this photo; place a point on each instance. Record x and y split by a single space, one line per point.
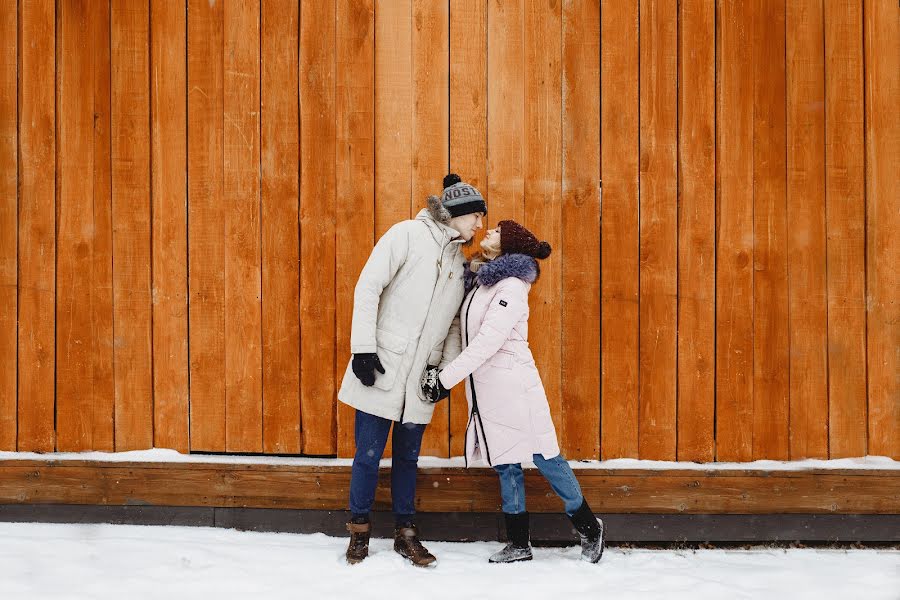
503 303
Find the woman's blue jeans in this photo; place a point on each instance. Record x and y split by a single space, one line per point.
556 471
371 437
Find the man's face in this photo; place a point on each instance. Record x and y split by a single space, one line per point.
467 225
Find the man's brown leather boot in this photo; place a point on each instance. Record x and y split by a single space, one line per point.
407 545
358 549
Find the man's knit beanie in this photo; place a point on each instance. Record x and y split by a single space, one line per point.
458 199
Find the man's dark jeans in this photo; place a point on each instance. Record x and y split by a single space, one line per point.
371 437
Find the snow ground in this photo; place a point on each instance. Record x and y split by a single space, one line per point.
51 561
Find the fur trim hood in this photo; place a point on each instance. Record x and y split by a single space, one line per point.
437 210
504 266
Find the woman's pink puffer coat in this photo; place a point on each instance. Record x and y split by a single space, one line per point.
509 417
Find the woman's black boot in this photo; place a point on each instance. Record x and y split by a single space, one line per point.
519 547
590 530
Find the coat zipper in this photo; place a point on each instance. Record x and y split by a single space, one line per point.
475 412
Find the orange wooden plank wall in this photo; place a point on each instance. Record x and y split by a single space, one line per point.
189 189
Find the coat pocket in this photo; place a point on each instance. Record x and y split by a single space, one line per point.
393 347
502 359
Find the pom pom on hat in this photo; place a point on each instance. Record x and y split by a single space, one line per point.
543 250
451 179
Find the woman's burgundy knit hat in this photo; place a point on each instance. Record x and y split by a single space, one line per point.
515 239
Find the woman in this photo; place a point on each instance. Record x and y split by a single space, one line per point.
509 417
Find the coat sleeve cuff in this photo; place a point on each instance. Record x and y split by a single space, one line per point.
363 348
446 379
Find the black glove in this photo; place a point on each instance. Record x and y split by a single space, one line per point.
432 388
364 366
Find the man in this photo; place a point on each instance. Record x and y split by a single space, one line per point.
405 326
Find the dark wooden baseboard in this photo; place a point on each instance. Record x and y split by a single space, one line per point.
546 528
446 490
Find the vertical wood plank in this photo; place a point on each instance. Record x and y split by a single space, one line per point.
279 209
206 217
696 231
771 352
468 92
393 113
805 66
241 180
85 395
506 110
619 266
102 300
431 130
845 210
542 175
578 250
37 227
658 228
431 104
734 230
354 176
130 46
317 232
468 140
882 88
8 223
168 121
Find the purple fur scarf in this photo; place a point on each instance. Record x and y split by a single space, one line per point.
504 266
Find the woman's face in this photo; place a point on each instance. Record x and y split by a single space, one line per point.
467 225
493 235
491 242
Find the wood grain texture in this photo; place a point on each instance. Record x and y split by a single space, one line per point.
8 222
84 303
830 491
37 229
279 216
882 88
620 230
696 231
168 123
771 341
805 85
206 224
241 201
734 232
658 229
131 221
845 209
394 96
578 253
506 110
317 230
